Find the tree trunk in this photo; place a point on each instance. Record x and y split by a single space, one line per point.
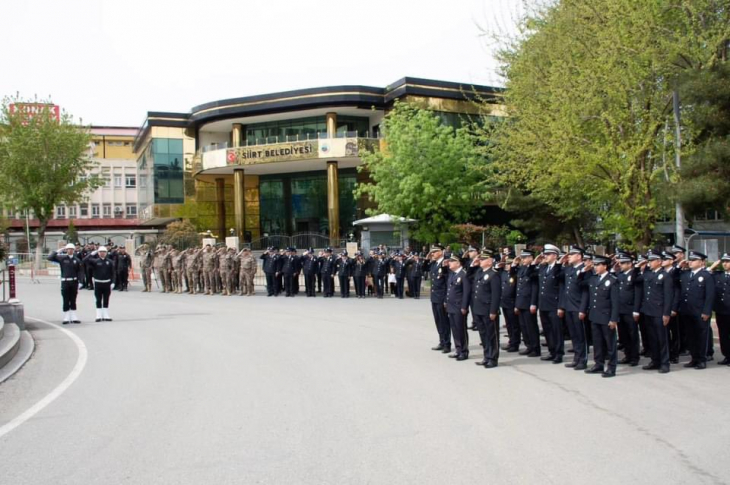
578 238
42 225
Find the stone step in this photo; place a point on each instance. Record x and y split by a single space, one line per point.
25 350
9 343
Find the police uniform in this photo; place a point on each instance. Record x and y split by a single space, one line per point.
359 273
696 299
380 273
508 290
415 275
102 271
673 329
310 268
629 311
71 271
399 269
656 305
486 294
525 298
270 259
549 277
458 293
343 267
722 310
289 268
603 311
573 298
327 271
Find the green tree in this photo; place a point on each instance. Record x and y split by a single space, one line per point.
589 90
43 162
426 171
180 235
72 235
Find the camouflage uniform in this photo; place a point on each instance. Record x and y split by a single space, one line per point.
158 265
167 270
178 270
145 266
226 272
246 272
209 270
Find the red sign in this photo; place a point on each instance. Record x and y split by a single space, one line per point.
30 110
11 280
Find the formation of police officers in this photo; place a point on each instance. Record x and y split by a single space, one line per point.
661 301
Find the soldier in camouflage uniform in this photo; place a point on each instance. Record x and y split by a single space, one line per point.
247 271
167 269
225 267
158 264
208 260
178 270
145 264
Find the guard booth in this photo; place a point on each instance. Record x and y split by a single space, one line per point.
388 230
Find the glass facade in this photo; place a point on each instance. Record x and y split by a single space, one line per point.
303 129
160 169
297 203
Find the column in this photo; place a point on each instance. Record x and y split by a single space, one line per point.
333 202
239 204
236 135
220 198
331 125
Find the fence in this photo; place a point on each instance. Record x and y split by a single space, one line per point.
299 241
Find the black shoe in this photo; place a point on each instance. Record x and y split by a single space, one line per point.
633 363
446 350
513 349
700 366
644 353
724 361
651 366
481 362
683 353
548 357
558 360
98 320
571 364
107 319
438 347
690 364
674 360
490 365
609 374
710 358
533 354
594 370
76 321
462 357
454 356
524 352
65 322
625 360
664 370
580 367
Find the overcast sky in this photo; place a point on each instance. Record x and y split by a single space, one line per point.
110 62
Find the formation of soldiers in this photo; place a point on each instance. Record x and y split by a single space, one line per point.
204 270
657 305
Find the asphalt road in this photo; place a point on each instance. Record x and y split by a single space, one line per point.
185 389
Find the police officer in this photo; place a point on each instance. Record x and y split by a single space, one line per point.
573 298
508 289
380 273
603 310
656 308
289 267
458 294
438 274
696 299
670 268
343 267
124 263
629 309
102 270
71 271
310 268
549 277
416 266
485 300
327 270
359 273
722 305
398 268
270 259
526 304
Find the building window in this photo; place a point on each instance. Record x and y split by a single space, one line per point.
117 181
709 215
107 210
95 211
143 181
72 211
61 212
84 210
118 211
131 211
131 181
106 177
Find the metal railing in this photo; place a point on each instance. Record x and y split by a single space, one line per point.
272 140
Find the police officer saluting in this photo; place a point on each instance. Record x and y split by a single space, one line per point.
722 305
697 296
656 306
629 308
458 293
71 271
102 270
486 293
602 309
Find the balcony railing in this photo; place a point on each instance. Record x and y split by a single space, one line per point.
272 140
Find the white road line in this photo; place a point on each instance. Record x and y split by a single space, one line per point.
60 389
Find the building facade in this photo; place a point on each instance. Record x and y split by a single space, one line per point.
282 164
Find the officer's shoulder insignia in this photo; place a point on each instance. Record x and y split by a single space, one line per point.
661 276
701 279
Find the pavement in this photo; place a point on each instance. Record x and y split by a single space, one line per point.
183 389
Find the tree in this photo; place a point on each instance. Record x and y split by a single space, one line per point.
180 235
44 162
72 235
589 91
426 171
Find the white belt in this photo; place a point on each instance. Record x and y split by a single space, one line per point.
69 279
102 281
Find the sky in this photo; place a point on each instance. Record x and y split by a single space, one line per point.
110 62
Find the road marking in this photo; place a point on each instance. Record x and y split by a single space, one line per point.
60 389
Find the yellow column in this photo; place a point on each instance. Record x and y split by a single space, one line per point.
220 198
239 203
236 135
333 202
331 125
